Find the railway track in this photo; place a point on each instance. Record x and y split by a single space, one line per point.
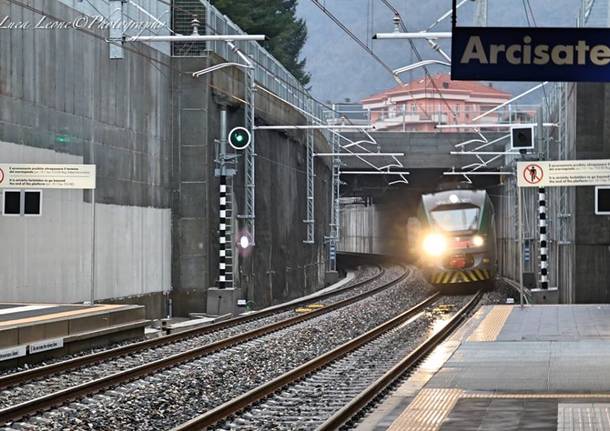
20 377
93 373
352 410
330 390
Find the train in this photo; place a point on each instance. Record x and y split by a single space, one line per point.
457 238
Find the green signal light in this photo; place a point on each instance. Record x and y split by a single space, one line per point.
239 138
62 139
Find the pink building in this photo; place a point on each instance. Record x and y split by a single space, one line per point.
418 106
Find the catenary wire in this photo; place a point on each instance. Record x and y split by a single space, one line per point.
419 58
355 38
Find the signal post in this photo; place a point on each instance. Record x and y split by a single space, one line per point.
224 298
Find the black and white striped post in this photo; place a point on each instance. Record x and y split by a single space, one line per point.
222 238
544 279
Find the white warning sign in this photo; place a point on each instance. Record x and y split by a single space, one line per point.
21 176
41 346
563 173
12 352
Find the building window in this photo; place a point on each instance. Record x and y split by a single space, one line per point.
22 202
11 204
31 202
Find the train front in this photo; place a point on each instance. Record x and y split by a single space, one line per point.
457 237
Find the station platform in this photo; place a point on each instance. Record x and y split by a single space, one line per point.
541 367
31 333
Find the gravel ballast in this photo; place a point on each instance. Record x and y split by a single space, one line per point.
178 394
56 382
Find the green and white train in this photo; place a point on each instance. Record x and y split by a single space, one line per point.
457 237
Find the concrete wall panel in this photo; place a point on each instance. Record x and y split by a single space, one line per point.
49 257
377 229
63 100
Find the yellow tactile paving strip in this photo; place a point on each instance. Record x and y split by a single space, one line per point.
490 327
545 395
427 410
431 407
44 317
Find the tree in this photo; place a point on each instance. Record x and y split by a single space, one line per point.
276 19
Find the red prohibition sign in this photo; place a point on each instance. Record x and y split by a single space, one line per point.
533 173
1 176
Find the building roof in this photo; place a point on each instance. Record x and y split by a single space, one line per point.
443 83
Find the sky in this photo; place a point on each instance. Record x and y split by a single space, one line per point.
340 69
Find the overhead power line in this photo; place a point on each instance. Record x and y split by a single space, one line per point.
363 45
420 58
527 7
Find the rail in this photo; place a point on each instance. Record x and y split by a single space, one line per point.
344 415
17 411
224 411
46 370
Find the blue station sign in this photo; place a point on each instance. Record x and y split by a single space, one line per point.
530 54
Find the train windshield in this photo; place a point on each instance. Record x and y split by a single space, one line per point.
454 219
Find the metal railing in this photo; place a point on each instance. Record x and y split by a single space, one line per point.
397 118
269 72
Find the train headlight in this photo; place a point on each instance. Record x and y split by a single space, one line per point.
435 244
478 241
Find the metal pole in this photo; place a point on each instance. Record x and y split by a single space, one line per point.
480 13
92 296
413 35
197 38
544 281
310 186
222 148
116 32
520 242
333 217
454 14
250 155
223 220
542 219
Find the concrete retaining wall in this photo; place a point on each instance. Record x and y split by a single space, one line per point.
376 229
50 255
591 271
62 100
281 266
150 128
